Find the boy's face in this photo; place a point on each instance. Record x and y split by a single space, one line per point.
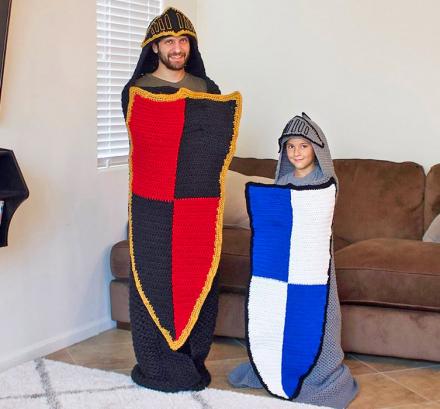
301 154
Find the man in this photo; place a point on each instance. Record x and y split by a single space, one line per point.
172 319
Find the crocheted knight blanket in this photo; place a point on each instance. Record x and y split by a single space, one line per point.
181 146
289 285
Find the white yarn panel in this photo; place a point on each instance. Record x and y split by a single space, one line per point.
267 312
311 233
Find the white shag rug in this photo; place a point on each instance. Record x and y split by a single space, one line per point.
46 384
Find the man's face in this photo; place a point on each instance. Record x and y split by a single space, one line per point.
173 52
300 153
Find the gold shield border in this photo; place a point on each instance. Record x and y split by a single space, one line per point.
184 93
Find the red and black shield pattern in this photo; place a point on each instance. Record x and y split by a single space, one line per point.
181 147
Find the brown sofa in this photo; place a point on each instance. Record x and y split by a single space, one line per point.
388 279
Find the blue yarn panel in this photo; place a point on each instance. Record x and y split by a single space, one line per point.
271 230
304 325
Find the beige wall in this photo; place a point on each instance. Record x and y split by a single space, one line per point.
54 274
188 7
366 71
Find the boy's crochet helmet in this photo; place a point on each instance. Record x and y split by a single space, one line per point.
303 127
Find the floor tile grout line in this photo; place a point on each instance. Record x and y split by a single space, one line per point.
394 370
369 366
78 344
406 387
425 400
387 373
239 343
403 405
71 357
411 369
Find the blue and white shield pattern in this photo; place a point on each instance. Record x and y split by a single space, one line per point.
289 286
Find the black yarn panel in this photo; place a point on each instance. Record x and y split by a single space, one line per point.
159 367
206 139
152 222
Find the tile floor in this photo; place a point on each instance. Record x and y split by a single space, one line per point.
384 382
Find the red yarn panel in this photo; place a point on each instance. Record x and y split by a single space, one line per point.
156 129
194 226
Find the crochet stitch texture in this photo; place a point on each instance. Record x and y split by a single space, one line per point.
291 261
181 147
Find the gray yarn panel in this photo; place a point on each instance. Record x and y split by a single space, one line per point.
330 382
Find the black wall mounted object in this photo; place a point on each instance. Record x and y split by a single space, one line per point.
13 191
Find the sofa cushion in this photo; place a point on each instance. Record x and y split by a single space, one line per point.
379 199
234 266
235 213
230 317
119 295
339 243
120 260
253 166
391 332
233 272
390 272
236 241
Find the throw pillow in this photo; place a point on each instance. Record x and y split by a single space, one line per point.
433 232
235 214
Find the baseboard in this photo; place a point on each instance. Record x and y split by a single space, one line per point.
51 345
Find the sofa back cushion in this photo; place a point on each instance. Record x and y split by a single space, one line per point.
235 214
254 167
379 199
432 195
376 198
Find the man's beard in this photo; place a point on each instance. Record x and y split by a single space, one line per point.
173 65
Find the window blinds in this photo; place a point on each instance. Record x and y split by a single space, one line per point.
121 27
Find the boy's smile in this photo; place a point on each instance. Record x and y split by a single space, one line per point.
301 155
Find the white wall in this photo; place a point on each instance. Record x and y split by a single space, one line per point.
188 7
366 71
54 274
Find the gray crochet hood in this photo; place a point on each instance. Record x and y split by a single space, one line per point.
303 127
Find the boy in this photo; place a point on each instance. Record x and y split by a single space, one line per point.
305 160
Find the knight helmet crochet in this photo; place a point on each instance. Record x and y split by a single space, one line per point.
171 22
